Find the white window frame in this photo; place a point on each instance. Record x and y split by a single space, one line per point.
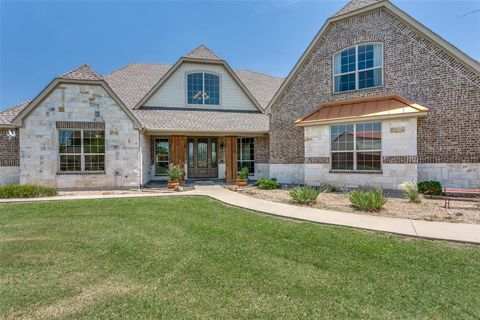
355 151
357 79
203 72
82 154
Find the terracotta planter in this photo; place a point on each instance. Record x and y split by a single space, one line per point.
172 184
241 182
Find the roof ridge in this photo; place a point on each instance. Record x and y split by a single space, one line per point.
354 5
83 72
202 52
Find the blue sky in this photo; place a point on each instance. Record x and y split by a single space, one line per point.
39 40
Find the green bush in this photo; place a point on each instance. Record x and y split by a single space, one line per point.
433 188
268 184
26 191
174 173
304 195
367 200
243 174
410 190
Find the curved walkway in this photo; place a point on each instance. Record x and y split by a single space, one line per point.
416 228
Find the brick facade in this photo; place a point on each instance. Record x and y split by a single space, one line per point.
261 153
10 155
414 67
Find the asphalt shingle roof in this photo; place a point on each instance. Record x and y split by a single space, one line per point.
202 120
84 72
202 52
132 83
355 5
9 114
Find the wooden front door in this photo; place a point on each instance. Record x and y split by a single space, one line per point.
202 157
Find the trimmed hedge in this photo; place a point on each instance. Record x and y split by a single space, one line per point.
26 191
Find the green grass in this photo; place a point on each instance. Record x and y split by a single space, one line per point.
182 257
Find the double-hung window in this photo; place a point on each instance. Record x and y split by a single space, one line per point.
203 88
356 147
358 67
81 150
245 154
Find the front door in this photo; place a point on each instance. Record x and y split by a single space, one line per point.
202 157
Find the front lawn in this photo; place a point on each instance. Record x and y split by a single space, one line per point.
192 257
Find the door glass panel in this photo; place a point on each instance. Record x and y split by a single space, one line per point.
162 147
202 153
214 153
190 153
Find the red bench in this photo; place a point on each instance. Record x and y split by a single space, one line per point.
449 194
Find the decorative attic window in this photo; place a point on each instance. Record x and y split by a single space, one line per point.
203 88
358 67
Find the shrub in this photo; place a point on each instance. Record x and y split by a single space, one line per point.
367 200
243 174
410 190
174 173
268 184
26 191
304 195
433 188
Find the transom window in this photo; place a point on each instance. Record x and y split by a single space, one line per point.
245 154
358 67
81 150
203 88
162 156
356 147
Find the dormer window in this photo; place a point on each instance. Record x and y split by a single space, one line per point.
203 88
358 67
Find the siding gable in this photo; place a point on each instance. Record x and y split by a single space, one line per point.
173 92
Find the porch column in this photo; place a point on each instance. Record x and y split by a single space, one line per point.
178 153
231 158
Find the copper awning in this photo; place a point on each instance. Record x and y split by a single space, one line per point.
363 109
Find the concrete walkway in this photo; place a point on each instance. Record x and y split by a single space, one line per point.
415 228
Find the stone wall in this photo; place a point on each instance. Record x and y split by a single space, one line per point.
452 175
9 175
414 68
39 160
398 141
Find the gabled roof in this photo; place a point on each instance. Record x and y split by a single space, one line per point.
202 52
81 75
84 72
212 59
363 109
356 7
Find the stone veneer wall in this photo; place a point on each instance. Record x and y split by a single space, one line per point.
398 141
78 103
414 67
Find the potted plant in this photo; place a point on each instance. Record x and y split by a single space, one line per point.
174 176
242 177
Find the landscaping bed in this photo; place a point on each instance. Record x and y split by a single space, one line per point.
396 207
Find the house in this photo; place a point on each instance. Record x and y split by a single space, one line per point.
376 99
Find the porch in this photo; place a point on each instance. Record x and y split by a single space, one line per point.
215 158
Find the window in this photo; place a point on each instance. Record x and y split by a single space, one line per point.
245 154
82 150
162 156
203 88
356 147
358 67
